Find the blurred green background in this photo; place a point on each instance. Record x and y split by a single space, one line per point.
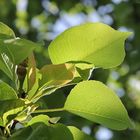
42 20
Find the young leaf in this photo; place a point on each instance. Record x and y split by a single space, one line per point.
7 92
31 92
40 118
56 75
84 70
94 43
79 135
96 102
31 72
42 92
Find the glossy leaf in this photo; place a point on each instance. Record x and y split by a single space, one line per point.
41 131
94 43
79 135
96 102
7 92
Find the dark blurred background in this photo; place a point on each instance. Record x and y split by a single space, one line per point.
42 20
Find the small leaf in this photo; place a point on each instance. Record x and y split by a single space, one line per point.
79 135
35 86
96 102
31 72
43 92
40 118
7 92
56 75
84 70
95 43
54 120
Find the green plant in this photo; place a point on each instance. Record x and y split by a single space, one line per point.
75 54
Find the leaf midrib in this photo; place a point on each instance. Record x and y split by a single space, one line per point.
95 114
102 48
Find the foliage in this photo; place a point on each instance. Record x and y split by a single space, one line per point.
74 54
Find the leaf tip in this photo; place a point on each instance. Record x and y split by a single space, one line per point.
131 124
127 34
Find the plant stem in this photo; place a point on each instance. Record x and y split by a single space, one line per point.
48 110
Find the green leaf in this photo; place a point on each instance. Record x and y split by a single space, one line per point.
56 75
19 48
60 132
31 91
79 135
6 63
42 92
96 102
41 131
5 30
7 92
84 70
95 43
40 118
9 109
13 52
31 72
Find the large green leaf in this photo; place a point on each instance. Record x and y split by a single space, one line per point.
79 135
6 92
40 131
94 43
96 102
9 109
